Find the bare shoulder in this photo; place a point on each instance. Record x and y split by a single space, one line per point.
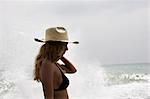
47 69
47 64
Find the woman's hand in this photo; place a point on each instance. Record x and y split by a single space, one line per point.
68 66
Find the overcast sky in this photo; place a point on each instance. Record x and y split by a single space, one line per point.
110 31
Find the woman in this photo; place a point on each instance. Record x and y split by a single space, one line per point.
47 70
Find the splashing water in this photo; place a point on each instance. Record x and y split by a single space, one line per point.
91 81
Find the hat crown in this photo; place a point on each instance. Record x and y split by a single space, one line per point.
56 34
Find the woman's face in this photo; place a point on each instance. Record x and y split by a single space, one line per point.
64 48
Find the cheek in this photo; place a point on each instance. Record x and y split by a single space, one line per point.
62 51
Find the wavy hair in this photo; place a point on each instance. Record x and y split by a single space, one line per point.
50 51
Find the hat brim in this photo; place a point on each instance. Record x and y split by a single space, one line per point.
43 41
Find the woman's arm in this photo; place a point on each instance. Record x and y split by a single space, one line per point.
47 75
68 66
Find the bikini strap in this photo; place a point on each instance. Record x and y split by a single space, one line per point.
58 67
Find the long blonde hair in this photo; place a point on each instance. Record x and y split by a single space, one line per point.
50 51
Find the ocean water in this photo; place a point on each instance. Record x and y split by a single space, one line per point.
92 81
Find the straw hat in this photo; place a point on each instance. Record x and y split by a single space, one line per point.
56 34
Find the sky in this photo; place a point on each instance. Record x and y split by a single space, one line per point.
109 31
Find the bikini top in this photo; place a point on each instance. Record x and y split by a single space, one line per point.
65 81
